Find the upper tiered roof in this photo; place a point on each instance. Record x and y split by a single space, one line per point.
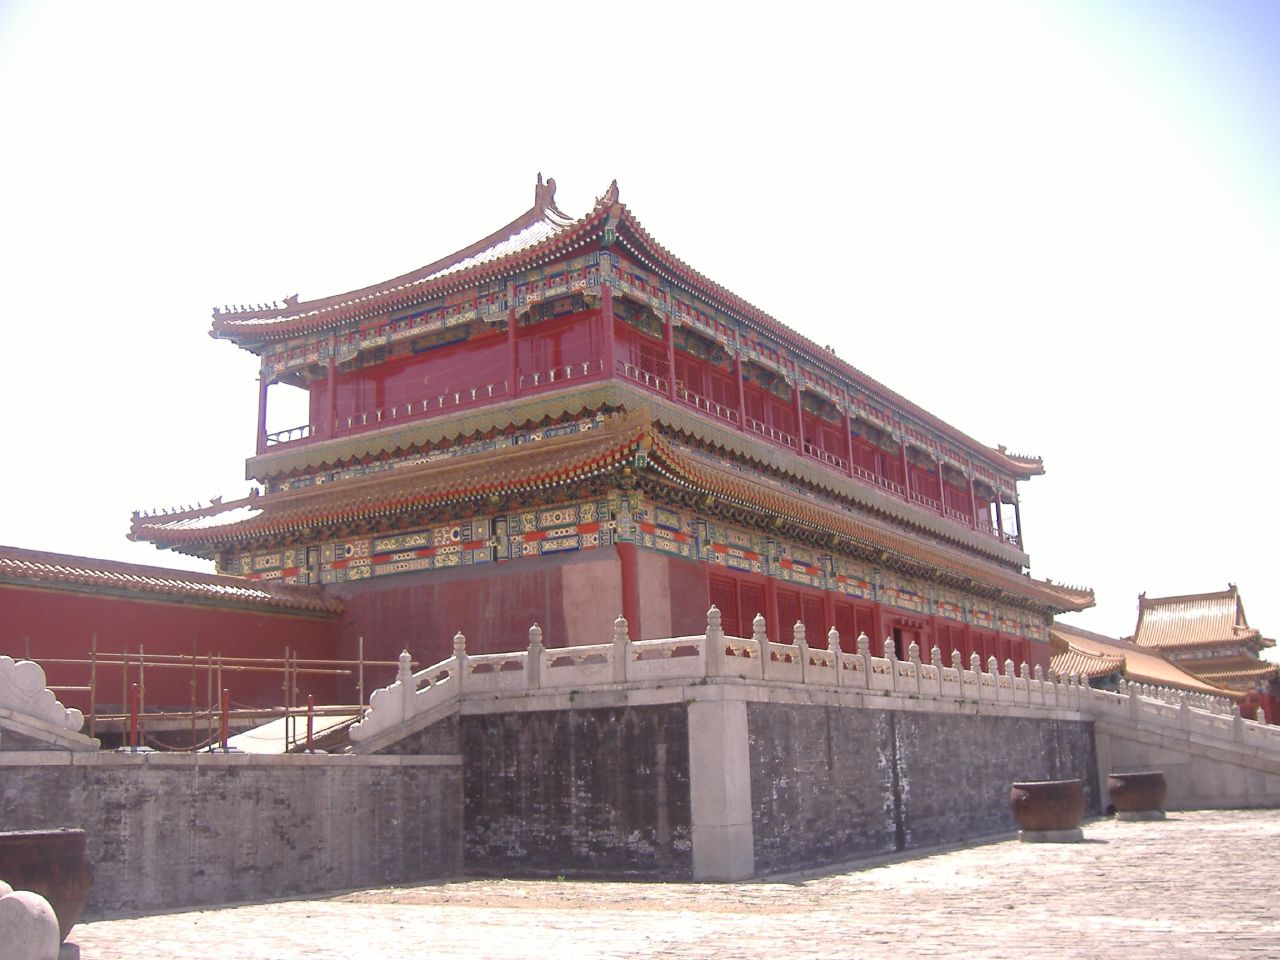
542 235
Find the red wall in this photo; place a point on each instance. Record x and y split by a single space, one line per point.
53 624
574 598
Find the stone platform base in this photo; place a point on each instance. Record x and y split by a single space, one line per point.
1140 815
1074 835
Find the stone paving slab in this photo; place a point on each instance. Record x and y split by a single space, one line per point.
1198 885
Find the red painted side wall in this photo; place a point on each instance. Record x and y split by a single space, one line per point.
60 624
574 598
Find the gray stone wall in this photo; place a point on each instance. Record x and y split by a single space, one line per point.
180 830
578 792
830 783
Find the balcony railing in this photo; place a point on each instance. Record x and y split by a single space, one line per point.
871 476
290 435
923 499
650 381
777 436
420 409
710 407
830 459
561 373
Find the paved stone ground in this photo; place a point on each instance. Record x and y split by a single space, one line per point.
1199 884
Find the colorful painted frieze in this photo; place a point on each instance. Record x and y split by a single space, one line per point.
852 579
904 593
286 566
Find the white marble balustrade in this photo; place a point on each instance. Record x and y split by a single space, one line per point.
713 655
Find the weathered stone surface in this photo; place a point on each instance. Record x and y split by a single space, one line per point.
1160 891
578 792
831 783
443 737
180 831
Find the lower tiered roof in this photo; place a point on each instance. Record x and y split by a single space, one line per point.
627 446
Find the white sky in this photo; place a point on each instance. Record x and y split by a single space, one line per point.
1057 226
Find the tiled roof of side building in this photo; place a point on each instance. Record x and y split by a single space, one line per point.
542 234
59 571
1260 672
1194 620
1139 665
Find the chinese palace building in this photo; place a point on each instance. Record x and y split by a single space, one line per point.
563 421
1208 636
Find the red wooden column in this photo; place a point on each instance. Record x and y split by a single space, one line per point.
630 588
795 399
263 383
847 423
773 628
829 610
973 504
906 468
513 355
671 358
606 320
331 410
737 378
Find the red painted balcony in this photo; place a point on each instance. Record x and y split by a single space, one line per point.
653 378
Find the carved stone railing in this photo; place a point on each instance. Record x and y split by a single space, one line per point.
30 709
756 658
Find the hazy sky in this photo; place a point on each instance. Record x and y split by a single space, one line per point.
1055 225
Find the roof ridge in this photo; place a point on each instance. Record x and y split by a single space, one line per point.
818 353
544 209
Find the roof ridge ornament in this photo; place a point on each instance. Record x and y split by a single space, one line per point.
544 194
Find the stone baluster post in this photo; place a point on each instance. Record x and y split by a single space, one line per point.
864 654
801 650
760 637
621 650
460 655
935 658
715 643
975 667
833 645
1184 712
1237 726
1039 677
534 659
913 654
891 654
408 686
1025 673
1260 715
993 668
